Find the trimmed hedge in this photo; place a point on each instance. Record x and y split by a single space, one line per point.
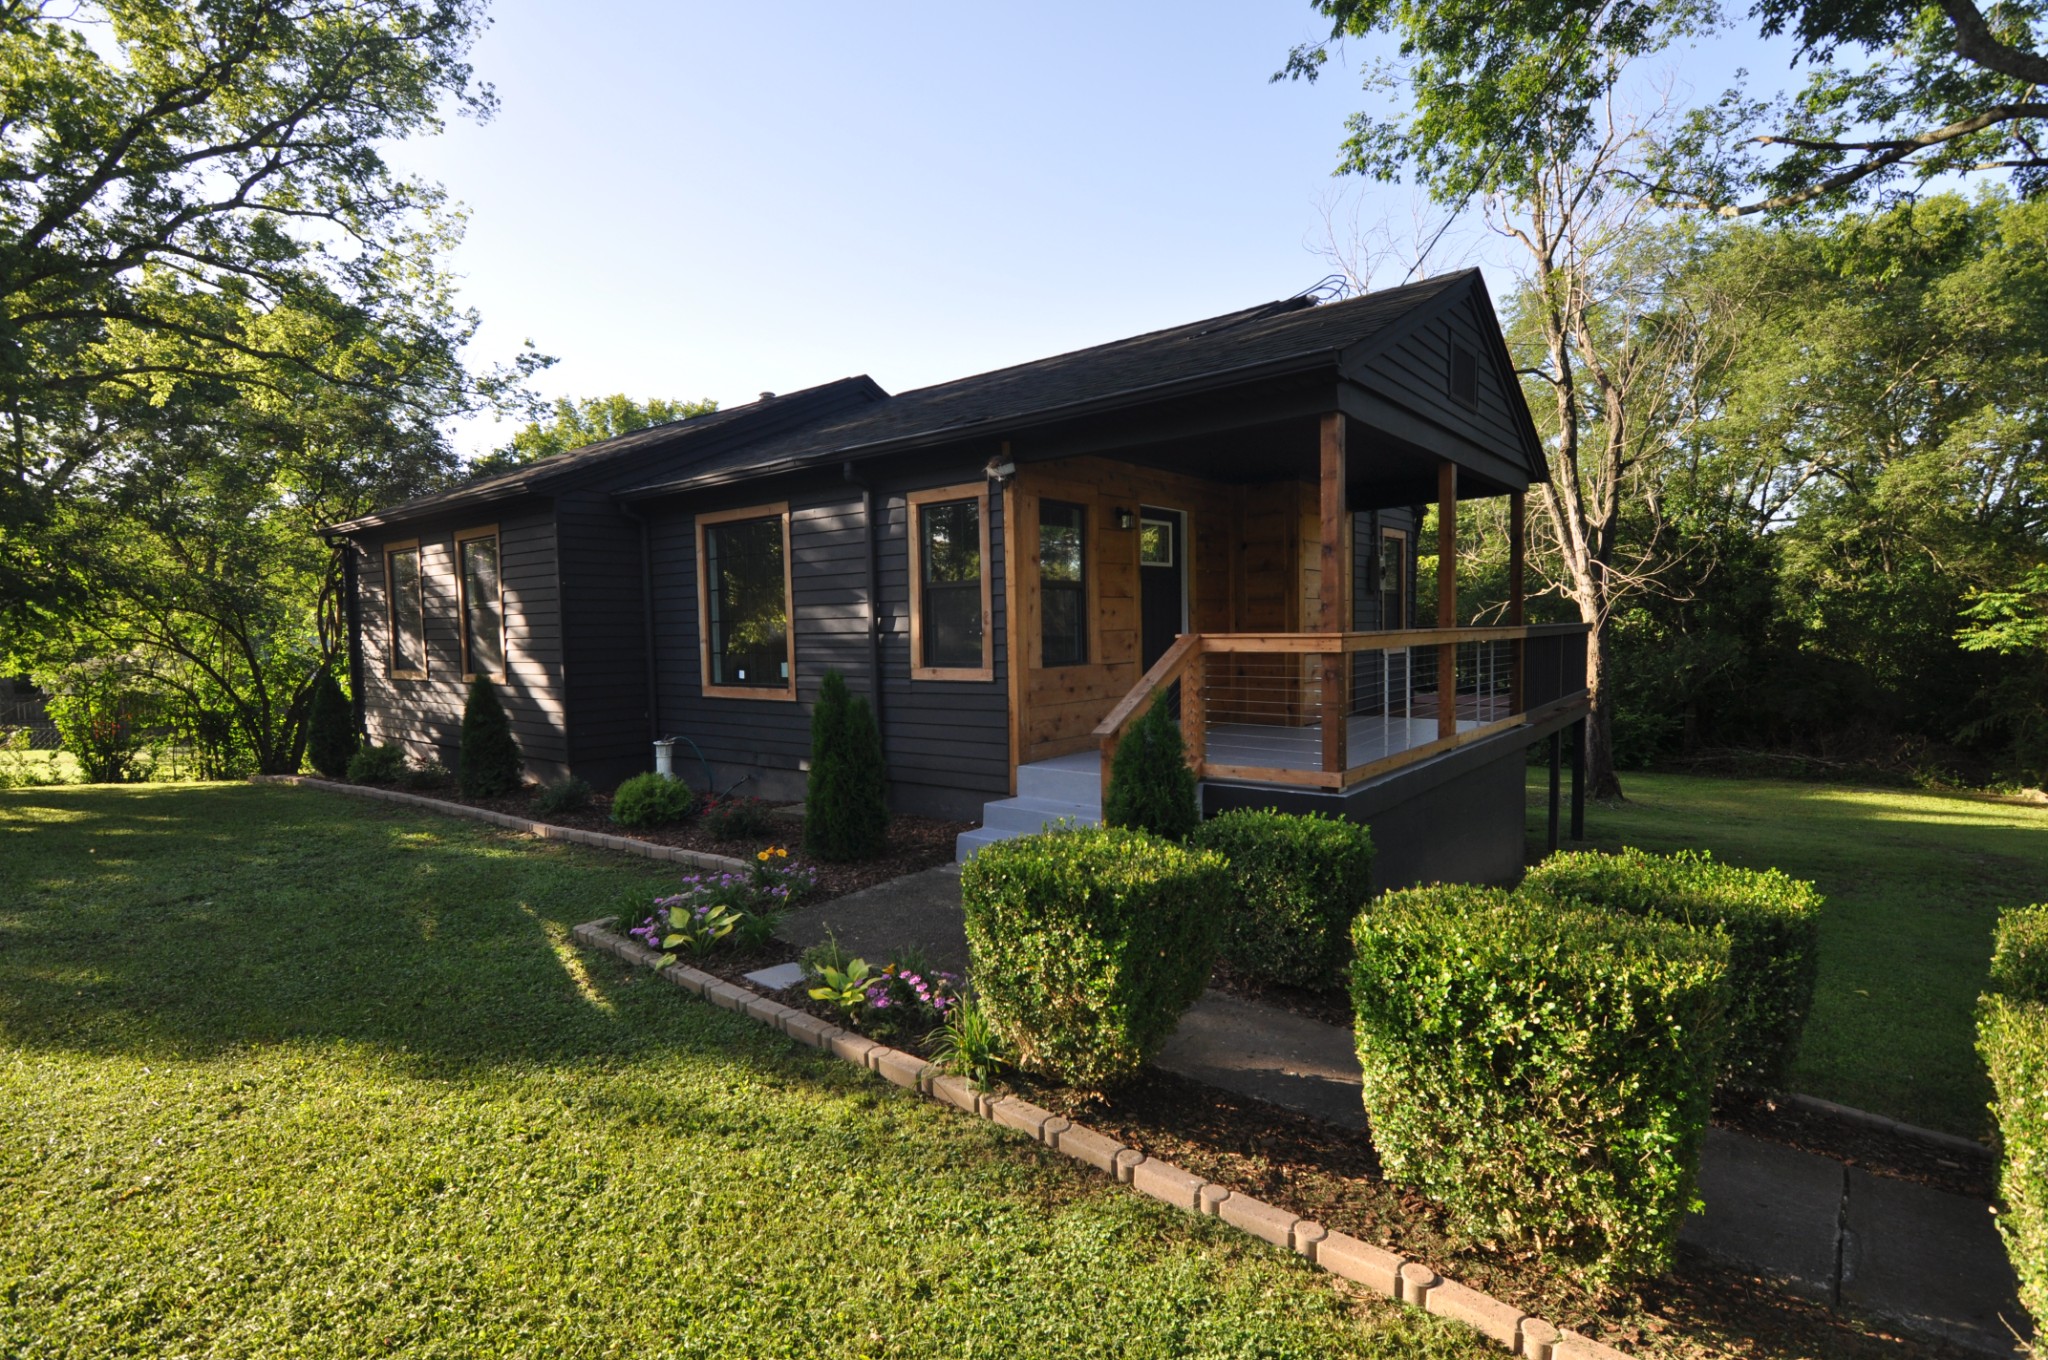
652 800
2012 1036
2019 953
1087 943
1773 927
374 764
1299 882
1543 1071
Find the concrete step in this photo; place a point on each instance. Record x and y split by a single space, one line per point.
1022 816
1062 782
968 842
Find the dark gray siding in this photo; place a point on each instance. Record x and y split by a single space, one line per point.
425 716
604 632
1416 373
946 743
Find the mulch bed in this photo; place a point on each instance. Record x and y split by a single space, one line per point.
915 843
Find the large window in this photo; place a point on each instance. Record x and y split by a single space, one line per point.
1393 579
406 656
483 604
743 586
949 585
1063 583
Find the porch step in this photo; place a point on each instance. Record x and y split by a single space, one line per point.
1047 792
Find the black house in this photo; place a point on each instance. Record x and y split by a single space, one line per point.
1013 566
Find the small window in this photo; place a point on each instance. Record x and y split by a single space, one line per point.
1464 375
483 605
1393 579
949 585
407 659
1063 583
743 560
1155 543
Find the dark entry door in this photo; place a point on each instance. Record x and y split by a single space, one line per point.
1162 580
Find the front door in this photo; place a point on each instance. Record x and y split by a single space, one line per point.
1162 581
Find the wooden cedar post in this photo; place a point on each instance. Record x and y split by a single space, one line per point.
1447 598
1194 714
1517 591
1335 590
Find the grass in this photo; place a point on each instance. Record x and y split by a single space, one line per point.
288 1074
1914 881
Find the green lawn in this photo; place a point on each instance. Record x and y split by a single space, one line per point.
1914 882
284 1073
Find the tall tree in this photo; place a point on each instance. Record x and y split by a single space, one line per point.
574 424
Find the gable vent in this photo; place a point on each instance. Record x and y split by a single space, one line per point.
1464 375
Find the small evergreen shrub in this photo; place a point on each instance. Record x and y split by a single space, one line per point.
489 759
1541 1070
1151 787
2019 953
2012 1037
1773 927
738 819
564 795
1086 944
1298 883
846 803
429 777
330 727
652 800
373 764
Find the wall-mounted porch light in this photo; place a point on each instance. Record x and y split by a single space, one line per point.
1124 518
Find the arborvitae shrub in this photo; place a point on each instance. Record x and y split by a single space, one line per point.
1151 787
1773 927
1543 1071
374 764
2019 954
1299 881
330 728
1086 944
846 803
652 800
490 764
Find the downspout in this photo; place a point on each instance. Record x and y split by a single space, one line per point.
867 521
647 621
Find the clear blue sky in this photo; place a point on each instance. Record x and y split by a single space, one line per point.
701 199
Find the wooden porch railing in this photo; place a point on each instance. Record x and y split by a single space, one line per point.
1331 710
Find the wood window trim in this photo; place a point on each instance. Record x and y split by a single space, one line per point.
778 510
391 550
915 503
469 673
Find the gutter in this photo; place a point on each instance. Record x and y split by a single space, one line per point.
867 520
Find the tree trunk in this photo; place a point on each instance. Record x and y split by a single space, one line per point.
1601 781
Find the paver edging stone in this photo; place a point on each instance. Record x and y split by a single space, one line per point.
1382 1271
702 859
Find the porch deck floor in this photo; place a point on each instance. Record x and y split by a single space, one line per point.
1272 747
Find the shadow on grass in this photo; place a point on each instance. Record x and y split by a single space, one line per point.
181 922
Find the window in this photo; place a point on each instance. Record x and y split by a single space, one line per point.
1393 579
743 598
1464 375
1155 543
407 657
483 604
949 585
1063 583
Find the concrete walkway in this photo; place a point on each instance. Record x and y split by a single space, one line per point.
1930 1261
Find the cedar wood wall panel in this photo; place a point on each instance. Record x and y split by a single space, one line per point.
425 716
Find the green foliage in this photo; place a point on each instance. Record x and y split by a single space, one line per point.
589 421
738 818
1151 787
967 1045
489 758
1299 881
652 800
1773 926
330 727
842 985
1088 943
374 764
2012 1037
697 932
846 803
562 795
1543 1072
103 708
2019 953
429 776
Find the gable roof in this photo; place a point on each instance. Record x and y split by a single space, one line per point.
1274 337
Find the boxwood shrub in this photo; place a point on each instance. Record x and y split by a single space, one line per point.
1773 927
374 764
652 800
2019 953
1087 943
2012 1036
1542 1070
1298 882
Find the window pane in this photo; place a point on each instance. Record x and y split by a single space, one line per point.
949 544
952 626
749 610
1393 581
1155 543
1063 585
408 619
482 622
952 542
